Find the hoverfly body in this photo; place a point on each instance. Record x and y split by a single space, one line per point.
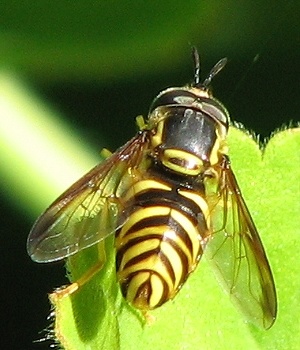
167 195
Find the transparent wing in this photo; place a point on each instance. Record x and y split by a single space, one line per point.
88 211
237 253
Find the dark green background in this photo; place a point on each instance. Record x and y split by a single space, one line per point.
102 63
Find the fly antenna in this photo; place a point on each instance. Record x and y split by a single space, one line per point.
196 58
214 71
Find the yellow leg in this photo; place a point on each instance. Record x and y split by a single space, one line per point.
105 153
73 287
140 122
86 277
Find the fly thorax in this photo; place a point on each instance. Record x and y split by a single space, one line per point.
188 130
186 142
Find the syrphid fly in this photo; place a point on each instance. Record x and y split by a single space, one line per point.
167 195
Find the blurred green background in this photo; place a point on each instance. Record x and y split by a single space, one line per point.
99 64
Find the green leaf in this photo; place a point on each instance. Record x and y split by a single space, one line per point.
82 316
201 316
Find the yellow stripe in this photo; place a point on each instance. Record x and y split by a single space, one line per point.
181 245
220 146
133 286
175 261
191 164
157 291
162 230
141 214
190 229
156 295
156 140
153 263
199 201
138 249
146 231
141 186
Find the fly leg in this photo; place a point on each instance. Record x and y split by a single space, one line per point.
85 278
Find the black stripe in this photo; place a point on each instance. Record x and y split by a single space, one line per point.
139 258
168 266
183 257
156 221
175 180
144 256
171 199
136 241
152 198
194 214
131 243
166 290
145 289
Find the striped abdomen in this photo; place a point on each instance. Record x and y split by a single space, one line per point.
161 242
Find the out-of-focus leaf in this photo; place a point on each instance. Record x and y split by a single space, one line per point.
103 40
40 154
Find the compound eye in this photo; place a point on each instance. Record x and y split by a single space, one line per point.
216 112
172 97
